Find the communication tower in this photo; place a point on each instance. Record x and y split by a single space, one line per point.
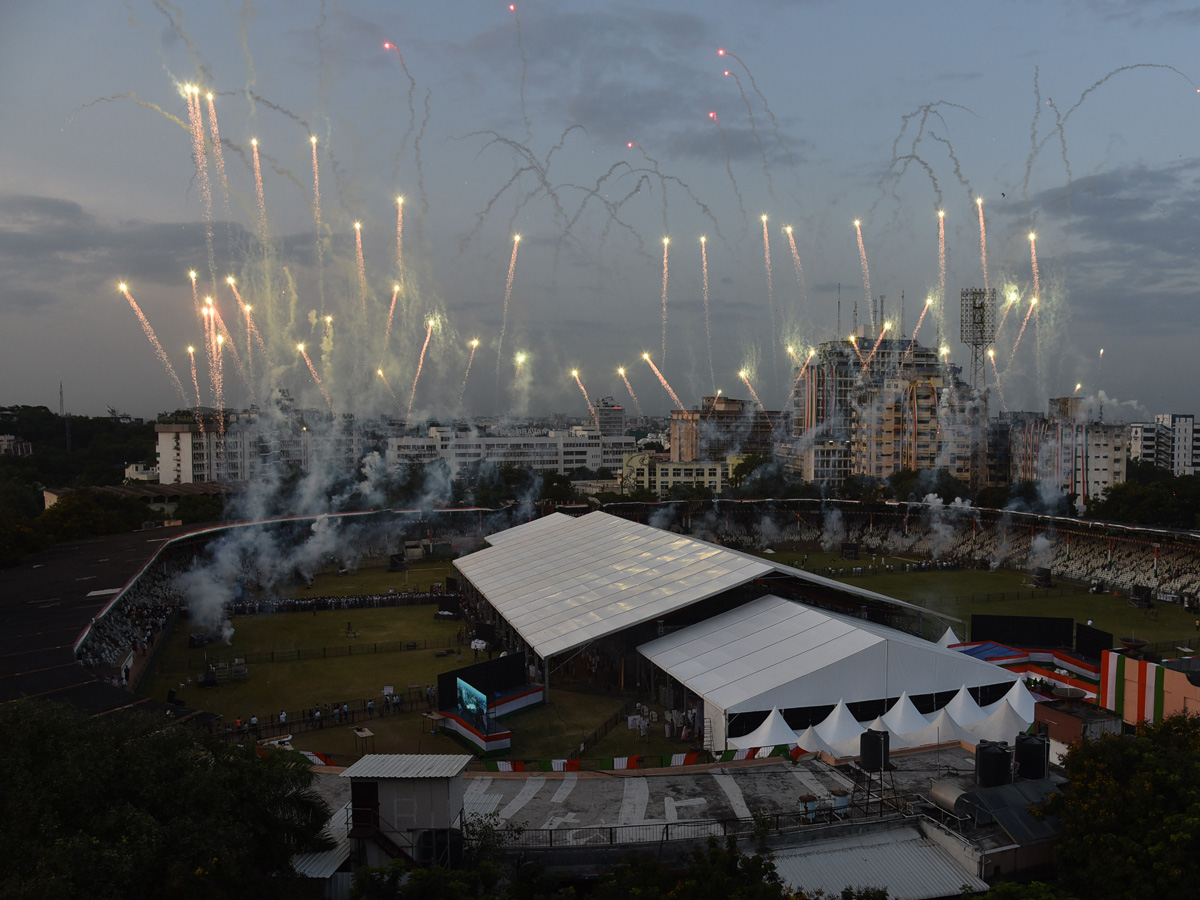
978 329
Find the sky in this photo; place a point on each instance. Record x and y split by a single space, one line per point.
593 131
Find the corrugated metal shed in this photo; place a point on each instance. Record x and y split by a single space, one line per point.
405 765
908 864
775 652
574 580
323 863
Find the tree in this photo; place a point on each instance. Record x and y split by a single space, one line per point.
196 508
1131 815
130 806
90 513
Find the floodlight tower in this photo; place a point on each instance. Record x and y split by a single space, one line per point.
978 329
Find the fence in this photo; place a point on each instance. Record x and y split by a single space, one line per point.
202 661
594 738
406 699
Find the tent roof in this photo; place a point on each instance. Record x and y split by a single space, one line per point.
771 733
1002 725
1019 698
839 726
776 652
812 742
942 730
562 582
963 708
904 717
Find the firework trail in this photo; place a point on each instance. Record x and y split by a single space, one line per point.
251 328
219 334
586 399
1012 301
512 8
921 318
195 380
866 272
662 379
666 245
766 106
996 372
420 365
201 159
196 296
462 391
218 155
796 260
316 378
317 221
328 327
800 374
508 283
383 378
707 321
399 237
982 242
729 164
942 256
713 405
258 189
754 131
154 342
854 344
210 343
632 395
770 282
412 86
746 378
391 312
1032 305
875 349
362 269
518 361
662 180
1037 290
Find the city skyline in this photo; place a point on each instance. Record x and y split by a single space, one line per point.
597 134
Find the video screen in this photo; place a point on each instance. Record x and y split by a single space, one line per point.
472 706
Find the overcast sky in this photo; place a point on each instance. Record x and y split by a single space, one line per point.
1079 121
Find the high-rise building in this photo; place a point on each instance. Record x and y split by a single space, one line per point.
723 426
874 408
610 416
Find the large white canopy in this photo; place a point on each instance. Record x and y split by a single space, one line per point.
562 582
776 652
771 733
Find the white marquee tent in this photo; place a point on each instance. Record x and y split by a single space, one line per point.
774 652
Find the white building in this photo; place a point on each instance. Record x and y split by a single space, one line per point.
1179 432
561 452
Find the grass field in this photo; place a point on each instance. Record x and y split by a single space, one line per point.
553 729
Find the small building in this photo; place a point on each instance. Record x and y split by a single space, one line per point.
407 806
1067 721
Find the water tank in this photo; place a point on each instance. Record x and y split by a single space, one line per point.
1033 756
993 764
873 749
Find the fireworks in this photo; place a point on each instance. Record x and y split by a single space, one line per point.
200 157
1037 292
803 369
795 258
1032 304
662 379
362 269
666 246
399 234
854 344
154 342
383 378
420 364
767 266
999 387
317 219
942 255
982 242
920 319
518 361
258 190
508 284
707 321
874 350
866 272
218 156
462 391
632 395
586 399
746 378
315 377
1012 299
387 330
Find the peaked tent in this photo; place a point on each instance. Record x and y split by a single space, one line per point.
771 733
812 742
1002 725
895 741
963 708
1019 698
904 717
839 725
949 639
942 730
